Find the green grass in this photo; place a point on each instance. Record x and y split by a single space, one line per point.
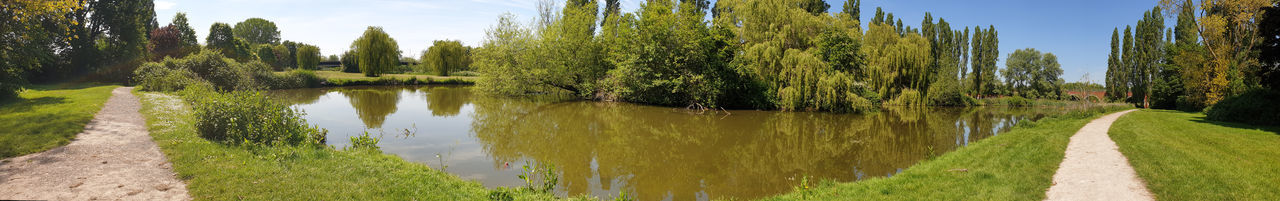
215 171
1181 156
1017 165
47 116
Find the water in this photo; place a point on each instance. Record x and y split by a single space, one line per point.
653 153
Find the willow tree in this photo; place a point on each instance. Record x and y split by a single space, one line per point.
309 57
376 52
444 56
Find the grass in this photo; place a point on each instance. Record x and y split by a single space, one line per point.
1181 156
47 116
216 171
1017 165
342 77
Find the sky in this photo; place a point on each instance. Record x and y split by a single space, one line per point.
1077 31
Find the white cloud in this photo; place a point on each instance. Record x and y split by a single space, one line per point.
165 5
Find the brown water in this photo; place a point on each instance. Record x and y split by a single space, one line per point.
653 153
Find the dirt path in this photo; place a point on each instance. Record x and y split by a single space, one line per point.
113 159
1094 168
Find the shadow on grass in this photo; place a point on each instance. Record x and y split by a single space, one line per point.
1202 119
20 105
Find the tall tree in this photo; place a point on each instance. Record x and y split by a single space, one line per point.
854 9
1127 61
186 33
376 52
1115 79
257 31
815 6
612 8
28 34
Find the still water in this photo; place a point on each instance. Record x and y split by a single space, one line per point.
653 153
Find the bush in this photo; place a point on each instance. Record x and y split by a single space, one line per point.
364 142
162 77
225 74
291 80
1254 107
249 117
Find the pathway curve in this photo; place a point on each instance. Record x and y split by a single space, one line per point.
113 159
1094 168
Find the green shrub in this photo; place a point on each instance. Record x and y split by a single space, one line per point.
165 76
249 117
1254 107
291 80
364 142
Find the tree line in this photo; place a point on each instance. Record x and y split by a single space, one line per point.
106 40
1217 49
784 54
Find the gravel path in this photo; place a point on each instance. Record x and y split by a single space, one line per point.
113 159
1094 168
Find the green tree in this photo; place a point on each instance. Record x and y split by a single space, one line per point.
257 31
1115 80
188 34
220 38
266 54
25 34
376 52
854 9
444 56
308 57
349 62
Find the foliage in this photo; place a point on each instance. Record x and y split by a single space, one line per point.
444 57
167 42
1253 107
210 69
349 62
365 142
267 54
376 52
45 117
257 31
221 39
985 53
249 117
1116 82
908 97
154 76
540 178
186 34
308 57
28 28
1032 74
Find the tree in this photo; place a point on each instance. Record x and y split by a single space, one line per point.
376 52
349 62
1020 67
444 56
1115 81
257 31
167 42
118 30
29 29
1127 61
292 56
309 57
815 6
220 38
854 9
1269 49
186 33
267 55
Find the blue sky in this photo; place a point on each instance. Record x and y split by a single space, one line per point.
1077 31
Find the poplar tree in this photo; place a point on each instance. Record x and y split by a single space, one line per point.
851 7
1114 81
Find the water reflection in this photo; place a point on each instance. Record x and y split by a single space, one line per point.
655 153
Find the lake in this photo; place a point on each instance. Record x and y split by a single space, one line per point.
653 153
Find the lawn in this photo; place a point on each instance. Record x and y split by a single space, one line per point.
215 171
1017 165
47 116
1182 156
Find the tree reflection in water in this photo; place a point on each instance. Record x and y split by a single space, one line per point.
655 153
661 153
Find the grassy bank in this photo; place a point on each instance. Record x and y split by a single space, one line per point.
1017 165
216 171
1182 156
335 78
47 116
